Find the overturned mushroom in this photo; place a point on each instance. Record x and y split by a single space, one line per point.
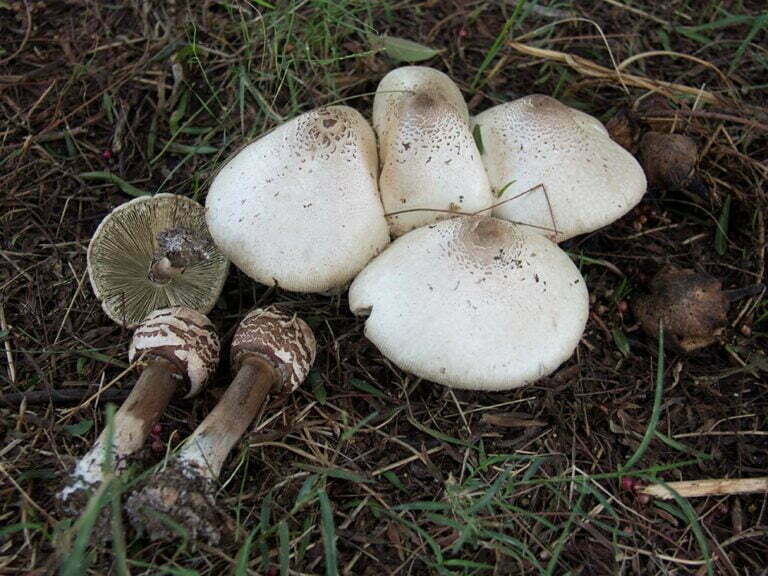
300 208
272 351
473 302
430 166
556 169
691 305
173 345
153 252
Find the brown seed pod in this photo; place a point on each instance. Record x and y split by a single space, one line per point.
669 160
691 305
623 130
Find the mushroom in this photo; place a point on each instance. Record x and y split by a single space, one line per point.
154 252
473 302
272 351
430 165
556 169
414 79
172 345
300 208
691 305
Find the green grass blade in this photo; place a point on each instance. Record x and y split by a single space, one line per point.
721 235
655 412
498 43
244 555
284 541
106 176
329 534
78 560
119 550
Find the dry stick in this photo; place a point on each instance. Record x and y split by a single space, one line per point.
554 230
7 345
590 68
660 114
699 488
57 397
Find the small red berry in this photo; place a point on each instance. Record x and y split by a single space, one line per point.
157 445
271 571
622 306
628 483
107 154
463 33
157 428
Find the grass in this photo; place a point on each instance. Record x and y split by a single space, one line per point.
366 469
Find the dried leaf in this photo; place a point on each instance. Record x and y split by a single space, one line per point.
404 50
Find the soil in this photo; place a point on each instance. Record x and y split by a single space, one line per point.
411 477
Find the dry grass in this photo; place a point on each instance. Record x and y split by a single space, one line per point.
410 477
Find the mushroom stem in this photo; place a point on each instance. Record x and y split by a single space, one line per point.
177 249
162 270
271 350
211 442
184 491
132 424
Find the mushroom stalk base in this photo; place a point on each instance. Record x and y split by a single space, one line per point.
184 491
132 424
163 271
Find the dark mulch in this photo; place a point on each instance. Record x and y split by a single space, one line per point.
432 480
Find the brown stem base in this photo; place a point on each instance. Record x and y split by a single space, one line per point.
179 497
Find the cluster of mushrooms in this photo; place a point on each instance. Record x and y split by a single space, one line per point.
473 292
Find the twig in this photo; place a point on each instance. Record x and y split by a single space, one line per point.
57 397
656 114
7 344
590 68
27 33
699 488
26 496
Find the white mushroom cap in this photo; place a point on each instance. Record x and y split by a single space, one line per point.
182 336
300 207
473 302
429 160
412 79
590 180
282 338
127 242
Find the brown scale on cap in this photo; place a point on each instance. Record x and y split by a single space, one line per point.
284 339
182 336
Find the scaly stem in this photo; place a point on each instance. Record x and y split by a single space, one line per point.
211 442
132 424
